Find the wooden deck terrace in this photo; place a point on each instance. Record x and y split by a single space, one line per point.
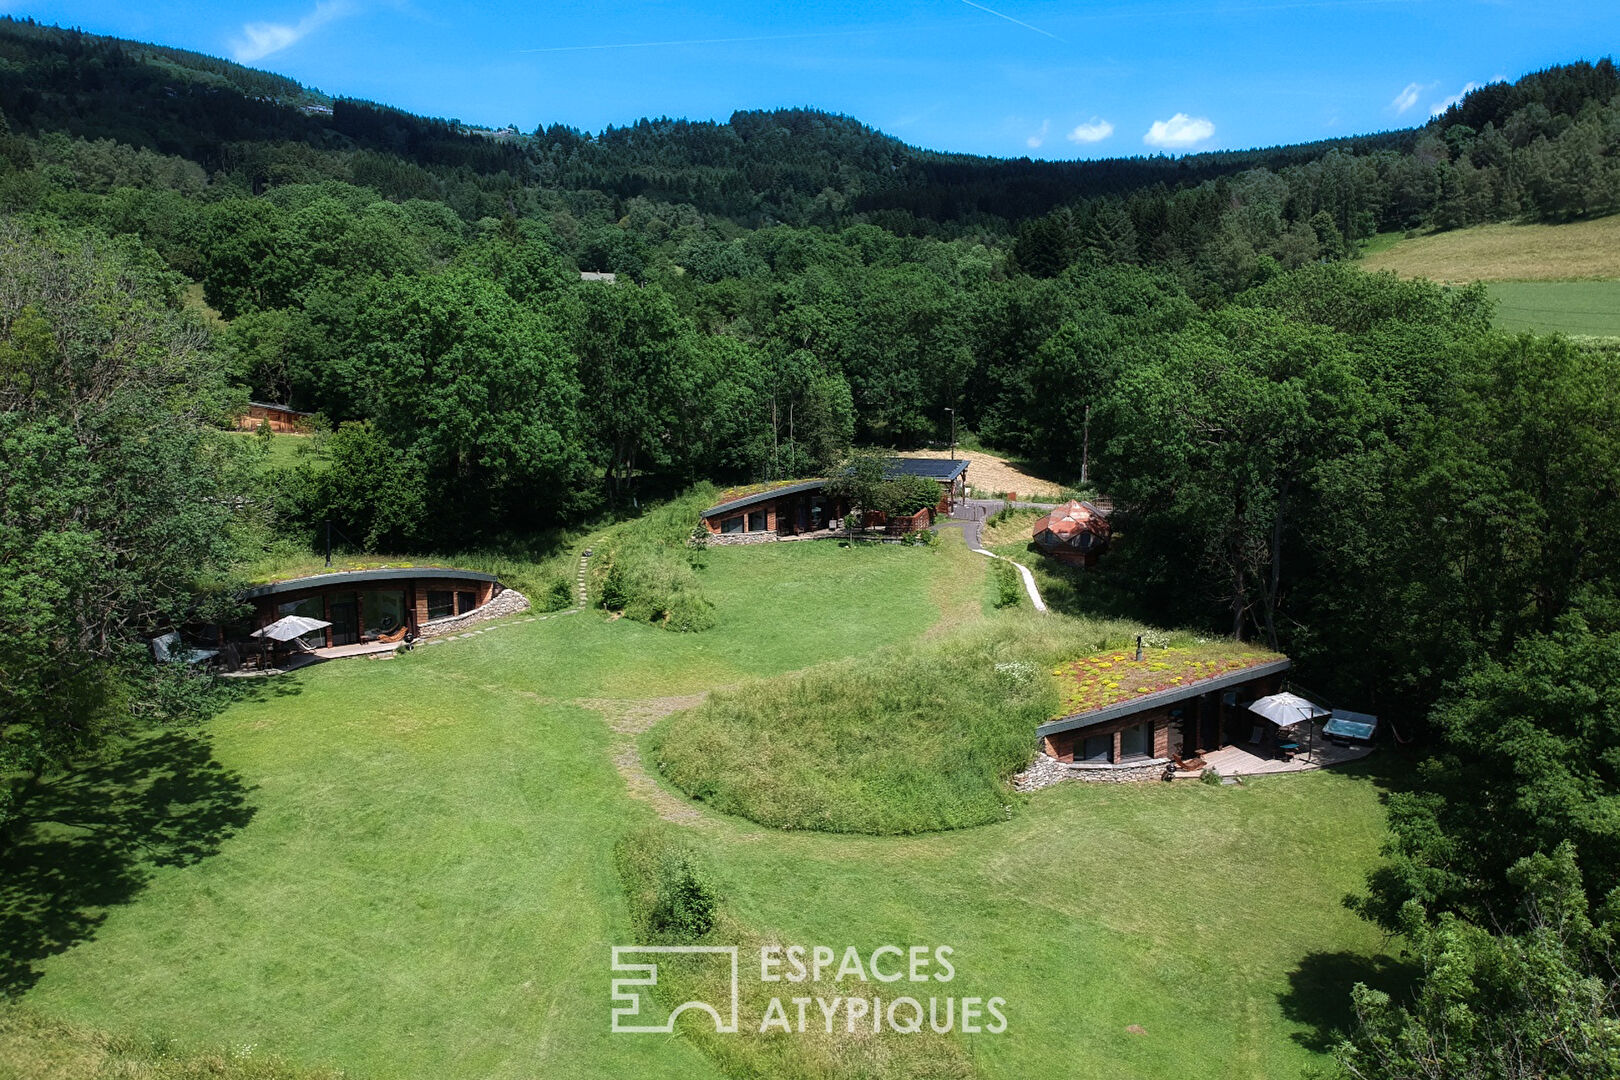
1234 760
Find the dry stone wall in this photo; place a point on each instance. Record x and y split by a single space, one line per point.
507 602
1045 771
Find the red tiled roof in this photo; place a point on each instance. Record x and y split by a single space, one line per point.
1073 520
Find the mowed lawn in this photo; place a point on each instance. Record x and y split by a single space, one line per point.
425 888
1209 917
1570 307
285 451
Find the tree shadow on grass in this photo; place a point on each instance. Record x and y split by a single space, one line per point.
91 840
1319 993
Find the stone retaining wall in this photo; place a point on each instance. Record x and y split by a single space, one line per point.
733 539
1129 773
1045 771
507 602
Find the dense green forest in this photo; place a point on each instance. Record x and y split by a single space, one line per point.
1352 468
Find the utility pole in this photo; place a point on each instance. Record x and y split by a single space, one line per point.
953 449
1085 448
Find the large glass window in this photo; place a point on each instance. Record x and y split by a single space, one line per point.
465 602
1097 748
756 521
732 524
384 611
1136 742
345 616
441 603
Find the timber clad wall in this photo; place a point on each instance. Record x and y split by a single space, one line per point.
281 421
483 591
791 515
802 508
1063 744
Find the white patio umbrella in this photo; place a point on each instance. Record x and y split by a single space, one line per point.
290 626
1286 710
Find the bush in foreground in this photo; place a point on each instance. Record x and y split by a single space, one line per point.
672 897
1004 579
661 874
911 739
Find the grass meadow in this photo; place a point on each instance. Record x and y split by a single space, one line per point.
281 451
405 868
1578 250
1545 278
799 752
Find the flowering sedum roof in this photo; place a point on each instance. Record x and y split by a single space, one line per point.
1111 678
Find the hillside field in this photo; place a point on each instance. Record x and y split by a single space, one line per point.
424 884
1583 250
1546 278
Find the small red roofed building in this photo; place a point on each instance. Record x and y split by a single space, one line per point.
1076 532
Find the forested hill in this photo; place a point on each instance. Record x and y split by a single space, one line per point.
797 166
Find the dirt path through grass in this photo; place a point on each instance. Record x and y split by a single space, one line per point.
627 720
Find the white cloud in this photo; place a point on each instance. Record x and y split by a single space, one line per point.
1034 141
1441 106
1179 132
1093 130
1408 97
260 39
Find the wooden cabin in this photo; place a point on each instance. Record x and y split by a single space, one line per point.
1076 533
281 419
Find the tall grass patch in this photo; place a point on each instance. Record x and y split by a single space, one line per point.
1004 584
646 569
40 1048
910 739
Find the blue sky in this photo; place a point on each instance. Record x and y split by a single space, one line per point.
1045 78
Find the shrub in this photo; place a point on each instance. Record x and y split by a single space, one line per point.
673 900
1211 775
558 595
904 495
1004 578
685 904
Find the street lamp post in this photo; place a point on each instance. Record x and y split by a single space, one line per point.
953 444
